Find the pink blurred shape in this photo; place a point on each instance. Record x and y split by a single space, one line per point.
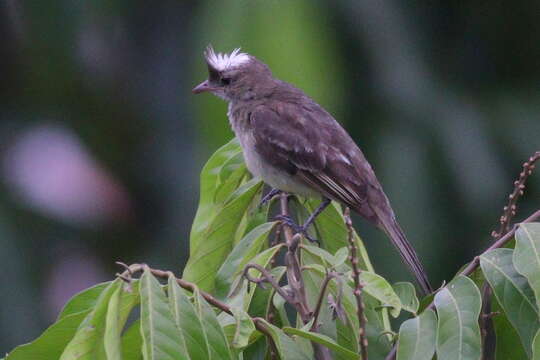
49 170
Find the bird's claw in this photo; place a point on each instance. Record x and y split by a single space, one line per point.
299 229
271 194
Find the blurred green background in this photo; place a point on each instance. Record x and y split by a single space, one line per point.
101 140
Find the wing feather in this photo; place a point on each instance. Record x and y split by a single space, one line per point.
312 146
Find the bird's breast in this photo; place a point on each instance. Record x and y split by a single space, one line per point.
261 168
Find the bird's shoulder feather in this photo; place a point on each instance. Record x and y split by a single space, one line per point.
303 139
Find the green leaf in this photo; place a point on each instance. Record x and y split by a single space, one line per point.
407 295
122 301
215 337
377 286
458 334
52 342
417 337
257 300
209 183
231 175
512 292
206 259
244 328
536 346
162 340
527 255
188 321
287 348
323 340
327 259
347 333
333 233
132 342
88 342
241 254
508 344
84 300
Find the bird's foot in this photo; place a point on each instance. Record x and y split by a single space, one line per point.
299 229
271 194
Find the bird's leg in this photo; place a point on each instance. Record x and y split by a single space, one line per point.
302 229
269 196
324 203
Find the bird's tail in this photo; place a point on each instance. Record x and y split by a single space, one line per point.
406 251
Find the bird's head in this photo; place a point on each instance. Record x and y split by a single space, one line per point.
235 77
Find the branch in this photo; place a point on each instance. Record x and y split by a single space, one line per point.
473 265
362 339
485 321
295 279
267 277
136 268
317 311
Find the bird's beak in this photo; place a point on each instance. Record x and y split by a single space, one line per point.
203 87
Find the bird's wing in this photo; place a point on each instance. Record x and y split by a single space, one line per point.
310 144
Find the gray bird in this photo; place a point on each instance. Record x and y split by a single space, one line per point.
294 145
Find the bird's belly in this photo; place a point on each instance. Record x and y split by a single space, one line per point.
276 178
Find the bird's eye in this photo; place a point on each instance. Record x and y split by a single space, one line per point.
225 81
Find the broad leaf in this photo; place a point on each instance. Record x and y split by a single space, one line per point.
333 233
122 301
458 334
347 333
241 254
513 293
377 286
527 255
231 175
188 321
219 235
88 342
508 344
536 346
84 300
417 337
407 295
287 348
217 342
132 342
323 340
243 330
162 340
209 183
52 342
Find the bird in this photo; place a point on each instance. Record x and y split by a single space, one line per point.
296 146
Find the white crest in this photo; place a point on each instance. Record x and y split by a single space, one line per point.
222 62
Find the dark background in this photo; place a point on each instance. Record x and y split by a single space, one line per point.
101 140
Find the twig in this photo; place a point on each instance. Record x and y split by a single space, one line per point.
267 277
510 209
294 273
259 324
497 244
362 340
473 265
315 326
